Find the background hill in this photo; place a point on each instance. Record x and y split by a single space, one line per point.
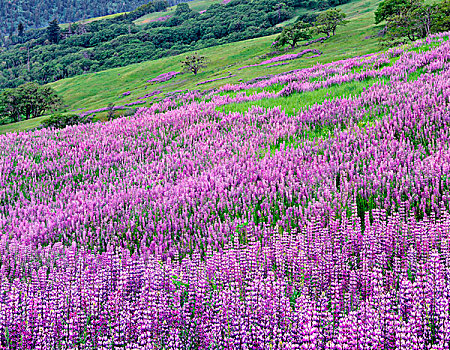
38 13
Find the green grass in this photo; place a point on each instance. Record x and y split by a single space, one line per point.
293 103
196 5
22 126
89 20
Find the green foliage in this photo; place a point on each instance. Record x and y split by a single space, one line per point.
60 121
411 20
388 8
328 21
36 100
28 100
442 17
292 34
194 63
53 32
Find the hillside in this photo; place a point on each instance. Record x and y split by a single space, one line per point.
117 41
97 90
296 199
308 210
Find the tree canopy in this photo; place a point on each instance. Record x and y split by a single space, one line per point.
27 101
194 63
411 20
328 21
389 8
293 34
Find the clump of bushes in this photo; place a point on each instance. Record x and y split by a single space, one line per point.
60 121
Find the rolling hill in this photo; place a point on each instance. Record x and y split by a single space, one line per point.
97 90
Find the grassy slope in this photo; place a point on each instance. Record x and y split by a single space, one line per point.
89 20
23 125
97 90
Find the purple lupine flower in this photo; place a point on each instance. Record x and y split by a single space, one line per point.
183 226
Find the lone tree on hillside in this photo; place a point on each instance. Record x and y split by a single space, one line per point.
194 63
292 34
328 21
53 32
36 99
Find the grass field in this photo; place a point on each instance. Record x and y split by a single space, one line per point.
89 20
96 90
22 126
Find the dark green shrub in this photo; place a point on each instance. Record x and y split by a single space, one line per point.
60 121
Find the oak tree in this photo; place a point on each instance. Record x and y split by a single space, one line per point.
328 21
194 63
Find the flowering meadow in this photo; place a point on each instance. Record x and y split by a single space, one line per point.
287 57
184 227
164 77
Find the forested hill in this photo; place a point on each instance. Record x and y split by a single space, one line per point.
38 13
45 56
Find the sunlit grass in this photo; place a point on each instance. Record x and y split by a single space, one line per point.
295 102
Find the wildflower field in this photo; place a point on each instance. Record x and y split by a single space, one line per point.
221 220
